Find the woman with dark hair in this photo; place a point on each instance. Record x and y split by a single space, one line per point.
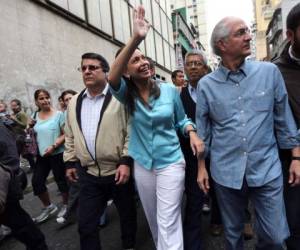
48 126
156 113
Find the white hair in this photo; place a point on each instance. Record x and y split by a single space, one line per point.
221 31
196 52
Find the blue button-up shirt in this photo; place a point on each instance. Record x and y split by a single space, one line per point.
153 140
238 114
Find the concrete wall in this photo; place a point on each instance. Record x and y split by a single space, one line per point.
41 49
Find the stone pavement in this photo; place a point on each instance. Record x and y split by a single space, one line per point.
67 238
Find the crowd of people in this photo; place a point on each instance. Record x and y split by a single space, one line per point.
232 134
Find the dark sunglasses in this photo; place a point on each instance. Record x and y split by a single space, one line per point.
83 68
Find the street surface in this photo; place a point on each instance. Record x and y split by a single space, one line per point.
68 239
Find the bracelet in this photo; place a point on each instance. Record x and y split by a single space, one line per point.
191 130
297 158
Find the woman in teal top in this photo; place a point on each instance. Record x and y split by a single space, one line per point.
156 113
48 125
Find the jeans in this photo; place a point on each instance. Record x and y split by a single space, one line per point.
270 220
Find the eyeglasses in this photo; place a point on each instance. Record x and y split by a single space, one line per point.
194 63
83 68
242 32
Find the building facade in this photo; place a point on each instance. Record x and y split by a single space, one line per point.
264 10
195 15
43 40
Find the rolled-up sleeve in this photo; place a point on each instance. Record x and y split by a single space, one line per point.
285 126
202 119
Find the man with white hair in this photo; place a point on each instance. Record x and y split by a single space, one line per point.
240 108
195 67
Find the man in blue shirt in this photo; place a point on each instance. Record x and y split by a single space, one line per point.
240 108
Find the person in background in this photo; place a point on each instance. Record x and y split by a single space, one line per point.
289 65
243 115
3 109
49 129
156 111
66 96
178 78
61 104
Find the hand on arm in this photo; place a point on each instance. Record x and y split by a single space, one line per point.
197 145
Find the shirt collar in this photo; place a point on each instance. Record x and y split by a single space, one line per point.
191 88
297 60
86 93
223 73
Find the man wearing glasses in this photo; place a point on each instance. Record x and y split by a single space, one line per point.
243 115
96 155
195 69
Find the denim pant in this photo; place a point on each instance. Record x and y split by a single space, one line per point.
93 196
270 220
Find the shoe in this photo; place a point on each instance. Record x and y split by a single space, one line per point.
216 229
46 212
205 208
61 220
248 231
62 212
4 231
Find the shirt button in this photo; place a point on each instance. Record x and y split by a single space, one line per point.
243 124
242 111
244 139
237 84
245 153
240 97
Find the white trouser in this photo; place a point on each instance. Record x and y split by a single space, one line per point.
161 191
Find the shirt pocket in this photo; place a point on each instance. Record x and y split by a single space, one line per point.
221 111
263 101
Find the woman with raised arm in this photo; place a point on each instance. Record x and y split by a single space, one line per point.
156 113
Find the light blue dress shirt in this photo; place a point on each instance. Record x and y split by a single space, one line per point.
153 140
238 114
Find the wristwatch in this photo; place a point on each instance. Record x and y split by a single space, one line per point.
297 158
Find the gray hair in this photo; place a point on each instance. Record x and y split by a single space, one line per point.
221 31
196 52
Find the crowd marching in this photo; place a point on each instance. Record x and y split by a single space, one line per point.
225 139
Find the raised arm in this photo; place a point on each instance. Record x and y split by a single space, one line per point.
140 29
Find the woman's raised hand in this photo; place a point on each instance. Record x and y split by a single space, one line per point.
140 26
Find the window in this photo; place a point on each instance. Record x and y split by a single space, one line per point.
159 49
121 20
164 25
167 55
75 7
150 48
99 15
148 10
156 16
